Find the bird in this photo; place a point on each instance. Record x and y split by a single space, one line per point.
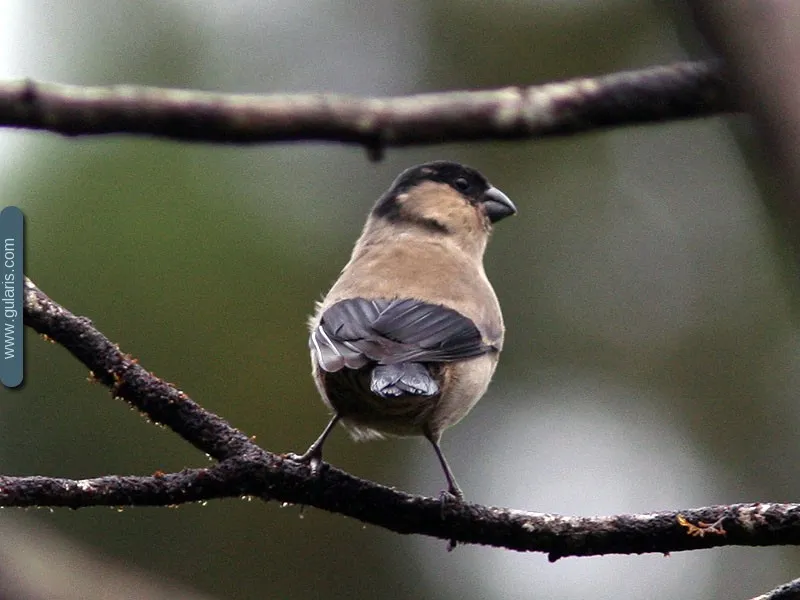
406 341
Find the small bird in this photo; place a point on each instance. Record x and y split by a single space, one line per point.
407 339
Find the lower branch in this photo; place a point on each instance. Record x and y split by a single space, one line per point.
247 470
272 477
159 400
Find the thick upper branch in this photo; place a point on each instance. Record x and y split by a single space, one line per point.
679 91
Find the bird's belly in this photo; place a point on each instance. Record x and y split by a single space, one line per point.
368 415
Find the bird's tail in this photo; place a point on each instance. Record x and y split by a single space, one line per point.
391 381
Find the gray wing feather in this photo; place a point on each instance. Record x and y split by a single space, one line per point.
357 331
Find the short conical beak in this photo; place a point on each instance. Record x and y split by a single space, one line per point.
497 205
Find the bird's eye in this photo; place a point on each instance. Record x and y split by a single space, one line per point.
462 185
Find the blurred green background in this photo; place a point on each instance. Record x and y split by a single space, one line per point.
652 355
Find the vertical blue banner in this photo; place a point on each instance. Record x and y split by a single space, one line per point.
11 244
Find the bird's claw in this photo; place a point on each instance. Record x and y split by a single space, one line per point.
312 459
450 497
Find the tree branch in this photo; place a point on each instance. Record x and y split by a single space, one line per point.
159 400
335 491
679 91
760 40
247 470
787 591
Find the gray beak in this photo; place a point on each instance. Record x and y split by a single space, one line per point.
497 205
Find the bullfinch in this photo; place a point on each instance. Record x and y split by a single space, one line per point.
407 339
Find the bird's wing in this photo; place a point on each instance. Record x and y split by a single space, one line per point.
356 331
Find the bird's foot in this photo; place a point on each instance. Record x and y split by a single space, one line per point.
453 496
312 458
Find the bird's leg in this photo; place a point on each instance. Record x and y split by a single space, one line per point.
313 456
453 492
452 486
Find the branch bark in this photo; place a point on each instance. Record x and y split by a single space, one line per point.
245 469
787 591
679 91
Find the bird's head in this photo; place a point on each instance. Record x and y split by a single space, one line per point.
444 199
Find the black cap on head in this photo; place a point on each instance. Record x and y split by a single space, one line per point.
465 180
